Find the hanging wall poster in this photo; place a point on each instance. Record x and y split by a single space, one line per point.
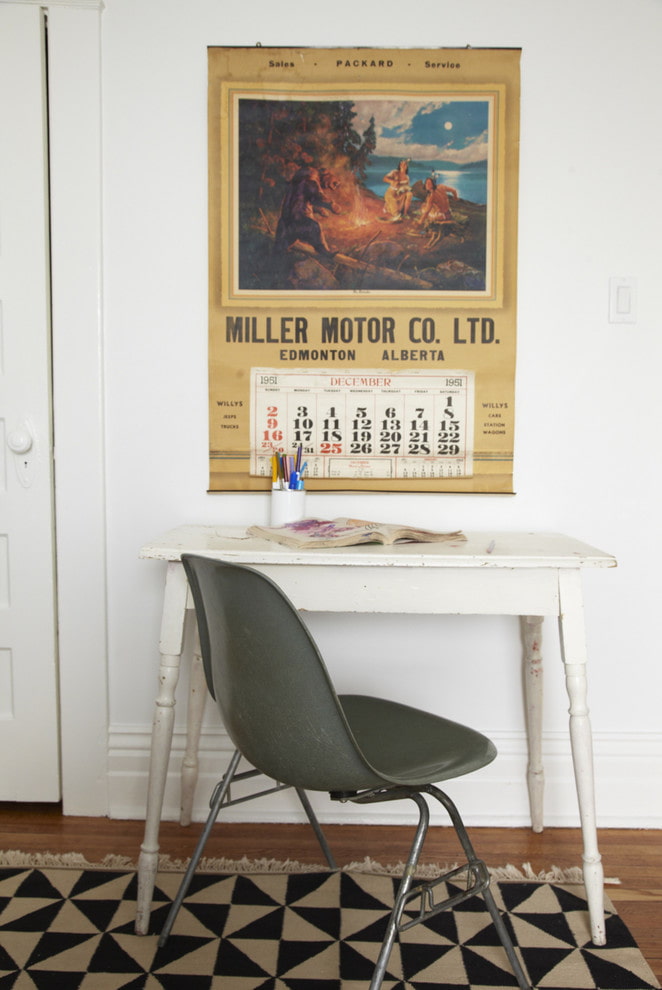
362 267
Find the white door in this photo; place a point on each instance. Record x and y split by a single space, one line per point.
29 732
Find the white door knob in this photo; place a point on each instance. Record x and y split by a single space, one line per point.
19 440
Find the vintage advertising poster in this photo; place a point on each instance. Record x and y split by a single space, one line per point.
362 267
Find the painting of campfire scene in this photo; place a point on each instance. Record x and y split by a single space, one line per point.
366 195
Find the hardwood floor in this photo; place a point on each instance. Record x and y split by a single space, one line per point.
634 856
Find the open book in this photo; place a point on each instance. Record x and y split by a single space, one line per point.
315 533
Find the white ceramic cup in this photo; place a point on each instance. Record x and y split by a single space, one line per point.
287 506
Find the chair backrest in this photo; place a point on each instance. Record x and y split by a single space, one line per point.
271 685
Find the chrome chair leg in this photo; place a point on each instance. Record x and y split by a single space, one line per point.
403 890
477 882
312 818
488 896
218 798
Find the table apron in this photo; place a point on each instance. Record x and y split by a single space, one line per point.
442 590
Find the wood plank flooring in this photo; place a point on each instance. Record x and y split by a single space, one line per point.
632 855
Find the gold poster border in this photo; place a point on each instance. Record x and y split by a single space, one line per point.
461 318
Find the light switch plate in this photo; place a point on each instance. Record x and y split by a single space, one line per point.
622 300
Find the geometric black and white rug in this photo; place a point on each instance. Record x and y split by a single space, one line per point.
72 929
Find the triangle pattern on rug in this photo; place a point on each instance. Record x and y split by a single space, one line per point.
72 929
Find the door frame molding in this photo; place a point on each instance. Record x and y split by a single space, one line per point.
74 75
75 115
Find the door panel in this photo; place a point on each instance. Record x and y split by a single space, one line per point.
29 731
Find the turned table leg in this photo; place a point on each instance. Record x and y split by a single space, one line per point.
197 698
573 650
533 698
170 647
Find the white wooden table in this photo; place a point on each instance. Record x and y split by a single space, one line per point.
531 575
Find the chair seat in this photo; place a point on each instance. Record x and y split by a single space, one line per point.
412 747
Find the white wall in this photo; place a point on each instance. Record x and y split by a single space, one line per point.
587 459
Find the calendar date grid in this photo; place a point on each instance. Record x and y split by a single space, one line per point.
405 430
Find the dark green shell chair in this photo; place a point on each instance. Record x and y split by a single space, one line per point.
284 717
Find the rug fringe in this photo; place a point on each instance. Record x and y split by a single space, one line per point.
430 871
243 865
14 857
169 864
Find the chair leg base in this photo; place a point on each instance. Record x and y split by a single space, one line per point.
478 883
221 796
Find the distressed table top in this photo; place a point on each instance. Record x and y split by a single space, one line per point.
488 549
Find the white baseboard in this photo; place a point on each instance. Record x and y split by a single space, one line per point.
628 769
